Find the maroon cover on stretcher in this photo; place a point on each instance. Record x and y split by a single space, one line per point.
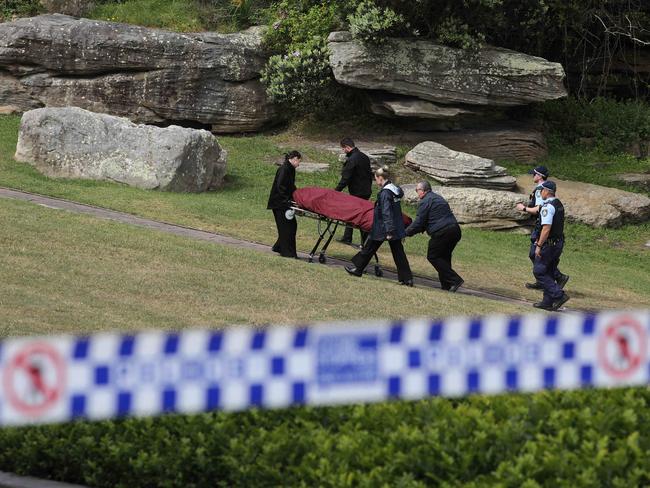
339 206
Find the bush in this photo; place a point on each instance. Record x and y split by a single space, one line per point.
298 80
609 125
597 438
373 24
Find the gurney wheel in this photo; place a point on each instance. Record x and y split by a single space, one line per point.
322 259
378 272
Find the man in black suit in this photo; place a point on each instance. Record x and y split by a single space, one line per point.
357 176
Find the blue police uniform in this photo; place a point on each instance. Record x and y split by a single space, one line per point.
536 200
545 266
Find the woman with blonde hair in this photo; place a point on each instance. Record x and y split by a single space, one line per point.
387 225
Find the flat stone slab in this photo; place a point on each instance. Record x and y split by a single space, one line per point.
74 143
456 168
640 180
429 71
594 205
478 207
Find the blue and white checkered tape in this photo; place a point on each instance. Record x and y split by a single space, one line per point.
54 379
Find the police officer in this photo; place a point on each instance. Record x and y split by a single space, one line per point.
548 248
387 225
540 175
282 190
357 176
436 218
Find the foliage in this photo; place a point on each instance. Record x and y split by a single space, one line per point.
298 76
18 8
177 15
373 24
301 78
609 125
580 439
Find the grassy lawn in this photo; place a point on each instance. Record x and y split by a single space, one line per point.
64 272
608 268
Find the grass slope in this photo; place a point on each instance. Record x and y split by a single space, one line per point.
70 273
608 267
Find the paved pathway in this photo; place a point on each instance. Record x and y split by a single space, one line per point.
103 213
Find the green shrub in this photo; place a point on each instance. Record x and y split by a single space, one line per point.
597 438
609 125
373 24
300 78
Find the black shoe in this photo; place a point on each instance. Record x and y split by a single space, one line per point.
353 271
344 241
453 288
406 283
543 306
561 281
560 301
535 286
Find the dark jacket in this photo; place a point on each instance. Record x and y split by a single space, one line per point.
433 214
387 217
356 174
283 187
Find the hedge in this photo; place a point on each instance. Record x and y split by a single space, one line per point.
578 439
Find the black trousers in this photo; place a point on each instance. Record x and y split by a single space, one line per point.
347 233
363 257
441 245
286 243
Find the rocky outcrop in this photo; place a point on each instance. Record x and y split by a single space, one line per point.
455 168
498 143
450 76
148 75
597 206
75 143
476 207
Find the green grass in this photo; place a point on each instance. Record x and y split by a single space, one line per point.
588 165
64 272
183 15
609 268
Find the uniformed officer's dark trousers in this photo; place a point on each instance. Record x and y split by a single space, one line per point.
545 268
441 245
370 248
347 233
531 254
286 243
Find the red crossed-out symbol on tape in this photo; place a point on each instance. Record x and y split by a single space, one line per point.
34 379
623 347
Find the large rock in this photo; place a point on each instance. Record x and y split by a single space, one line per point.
455 168
148 75
75 143
476 207
429 71
597 206
521 143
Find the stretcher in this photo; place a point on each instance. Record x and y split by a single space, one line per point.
332 209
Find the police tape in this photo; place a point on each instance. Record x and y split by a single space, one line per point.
55 379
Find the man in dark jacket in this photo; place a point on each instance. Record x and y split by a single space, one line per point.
387 225
436 218
282 190
357 176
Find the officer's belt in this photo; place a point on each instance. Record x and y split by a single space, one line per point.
554 241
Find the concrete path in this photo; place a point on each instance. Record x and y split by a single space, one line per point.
8 480
103 213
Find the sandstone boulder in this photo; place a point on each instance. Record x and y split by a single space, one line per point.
597 206
455 168
148 75
75 143
477 207
440 74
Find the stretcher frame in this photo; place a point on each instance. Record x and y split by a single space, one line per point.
326 229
